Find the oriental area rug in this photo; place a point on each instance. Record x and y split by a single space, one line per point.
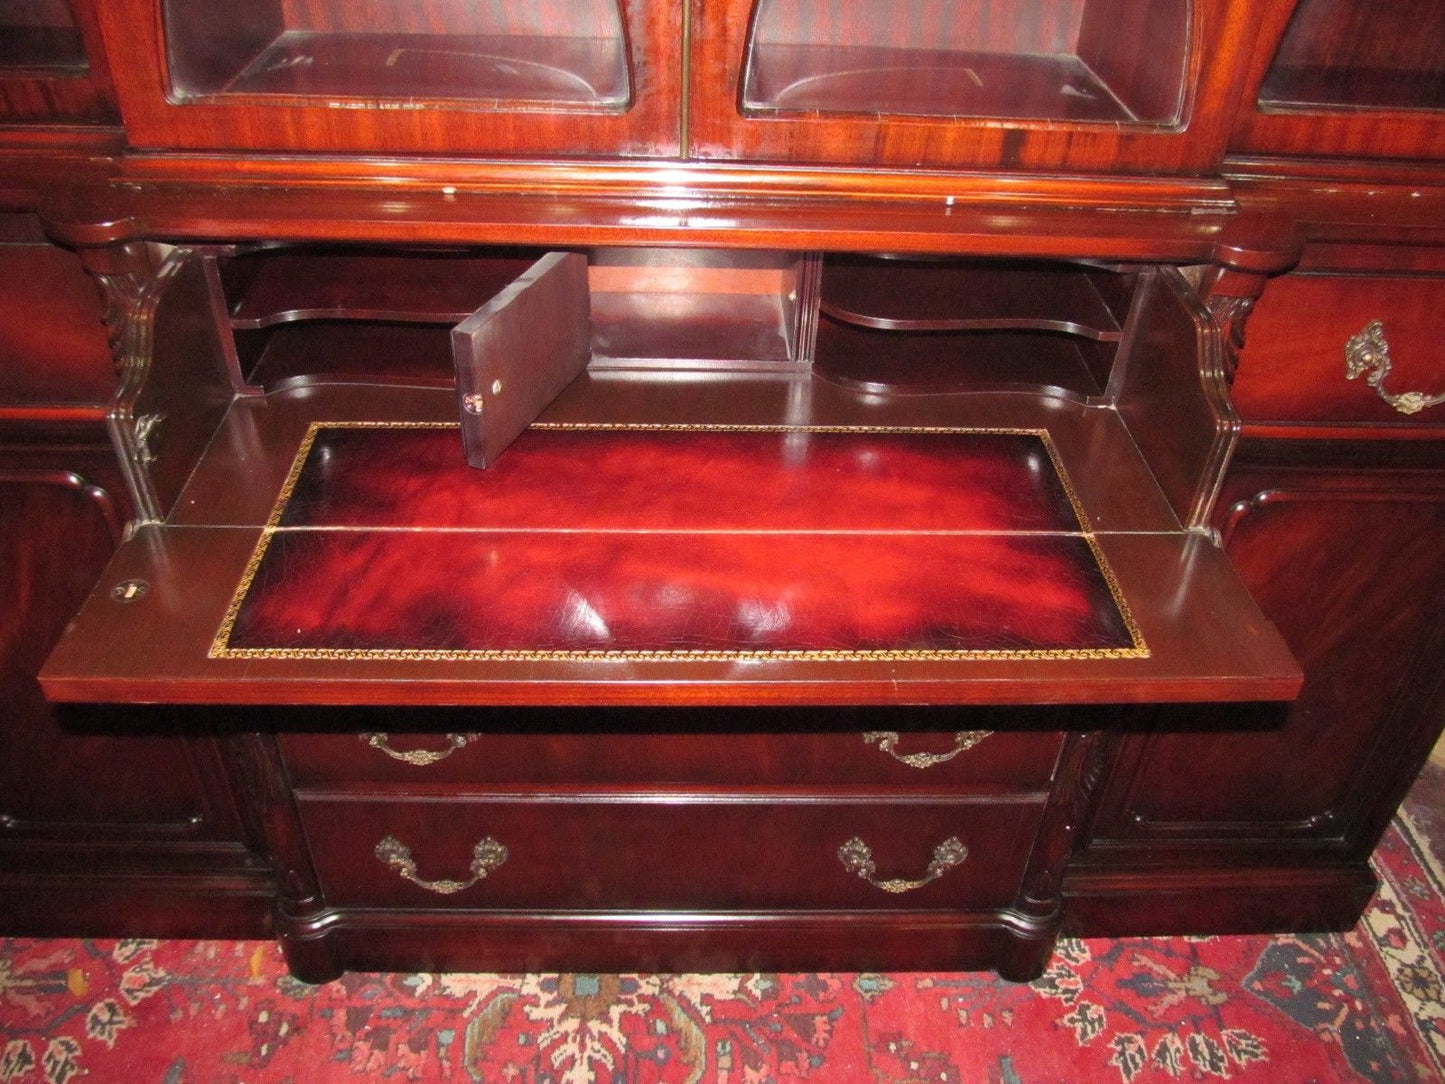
1363 1006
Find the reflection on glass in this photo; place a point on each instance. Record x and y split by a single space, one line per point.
1360 54
39 35
545 51
1079 60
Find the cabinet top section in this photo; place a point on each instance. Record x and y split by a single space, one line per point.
873 124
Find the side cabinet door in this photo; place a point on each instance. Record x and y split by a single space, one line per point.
516 353
60 788
1351 568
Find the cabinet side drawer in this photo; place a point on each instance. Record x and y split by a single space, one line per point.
1310 332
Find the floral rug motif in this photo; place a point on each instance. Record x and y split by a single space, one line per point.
1365 1007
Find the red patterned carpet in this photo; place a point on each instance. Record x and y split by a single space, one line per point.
1364 1006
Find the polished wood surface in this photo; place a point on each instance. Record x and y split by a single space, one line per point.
1313 544
708 190
62 359
1155 573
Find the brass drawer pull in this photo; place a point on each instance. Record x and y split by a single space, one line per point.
857 858
487 855
419 757
1369 352
963 741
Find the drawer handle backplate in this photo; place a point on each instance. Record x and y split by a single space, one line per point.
487 855
858 858
963 741
1369 352
420 757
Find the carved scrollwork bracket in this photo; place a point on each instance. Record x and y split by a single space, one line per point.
121 294
131 286
1367 354
1231 314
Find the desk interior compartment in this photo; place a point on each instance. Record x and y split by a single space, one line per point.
698 531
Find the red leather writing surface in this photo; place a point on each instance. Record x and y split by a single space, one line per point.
760 543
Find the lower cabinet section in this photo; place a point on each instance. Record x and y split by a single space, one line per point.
99 834
1275 825
454 859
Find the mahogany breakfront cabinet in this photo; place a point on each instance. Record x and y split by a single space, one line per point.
627 484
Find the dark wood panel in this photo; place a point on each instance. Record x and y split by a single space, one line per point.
79 787
53 343
517 353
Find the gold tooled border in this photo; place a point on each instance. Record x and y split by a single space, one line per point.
221 649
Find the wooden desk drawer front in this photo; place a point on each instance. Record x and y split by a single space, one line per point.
1017 761
1294 364
604 853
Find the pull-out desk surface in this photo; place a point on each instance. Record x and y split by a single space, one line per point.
718 541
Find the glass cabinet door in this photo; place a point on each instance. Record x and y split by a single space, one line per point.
1350 77
1141 85
46 69
560 76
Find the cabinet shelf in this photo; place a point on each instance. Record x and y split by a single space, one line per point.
1355 56
281 286
1033 61
947 325
935 295
928 83
473 67
40 36
932 362
570 54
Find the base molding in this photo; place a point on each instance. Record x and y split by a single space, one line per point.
149 906
1141 902
320 947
